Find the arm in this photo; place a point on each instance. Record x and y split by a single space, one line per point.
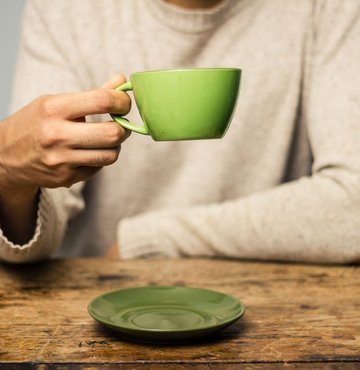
313 219
47 147
18 210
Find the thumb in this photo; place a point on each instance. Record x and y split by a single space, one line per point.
114 82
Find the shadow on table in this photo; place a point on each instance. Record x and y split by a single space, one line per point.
44 271
51 274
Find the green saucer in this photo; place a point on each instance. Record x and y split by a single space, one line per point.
166 313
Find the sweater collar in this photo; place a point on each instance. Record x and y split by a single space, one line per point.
191 21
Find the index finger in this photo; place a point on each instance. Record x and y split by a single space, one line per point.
99 101
114 82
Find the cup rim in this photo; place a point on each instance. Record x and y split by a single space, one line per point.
187 70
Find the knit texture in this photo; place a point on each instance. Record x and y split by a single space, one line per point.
284 183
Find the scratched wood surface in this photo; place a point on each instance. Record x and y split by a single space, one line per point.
297 316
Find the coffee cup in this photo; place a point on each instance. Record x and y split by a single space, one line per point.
183 104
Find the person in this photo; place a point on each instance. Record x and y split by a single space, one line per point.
283 184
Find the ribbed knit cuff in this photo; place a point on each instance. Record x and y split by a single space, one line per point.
38 247
143 237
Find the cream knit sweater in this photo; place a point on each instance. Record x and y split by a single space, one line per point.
283 184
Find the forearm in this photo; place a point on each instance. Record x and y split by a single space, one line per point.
55 207
313 219
18 210
18 201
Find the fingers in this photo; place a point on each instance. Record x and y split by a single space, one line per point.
94 135
97 102
114 82
95 157
75 105
83 173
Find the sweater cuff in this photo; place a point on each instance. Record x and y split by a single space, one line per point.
39 246
144 237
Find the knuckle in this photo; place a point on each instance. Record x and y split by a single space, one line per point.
109 157
49 136
104 100
47 106
52 160
115 133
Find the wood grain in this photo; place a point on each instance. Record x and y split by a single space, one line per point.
297 315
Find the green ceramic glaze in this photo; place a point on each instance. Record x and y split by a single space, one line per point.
165 313
183 104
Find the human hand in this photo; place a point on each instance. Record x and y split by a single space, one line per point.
48 143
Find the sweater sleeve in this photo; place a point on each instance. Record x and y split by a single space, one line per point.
313 219
42 68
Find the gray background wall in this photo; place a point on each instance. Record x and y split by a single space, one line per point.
10 18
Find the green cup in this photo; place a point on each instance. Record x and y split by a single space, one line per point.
184 104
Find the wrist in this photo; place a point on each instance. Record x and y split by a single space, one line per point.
17 195
12 190
18 210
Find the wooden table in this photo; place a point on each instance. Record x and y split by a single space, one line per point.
300 316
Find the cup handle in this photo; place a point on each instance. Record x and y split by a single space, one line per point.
141 129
